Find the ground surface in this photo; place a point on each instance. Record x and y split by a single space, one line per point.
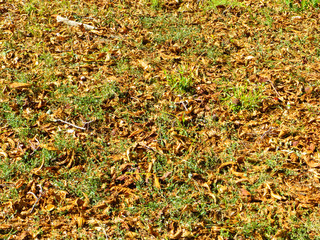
169 120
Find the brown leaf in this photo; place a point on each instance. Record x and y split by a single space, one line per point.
152 231
235 101
80 221
20 183
165 176
19 85
25 235
245 195
176 235
225 165
308 90
312 163
311 148
131 235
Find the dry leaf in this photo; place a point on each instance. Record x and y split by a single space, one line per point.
19 85
176 235
144 64
156 182
49 207
80 221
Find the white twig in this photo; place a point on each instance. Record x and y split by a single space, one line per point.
37 198
33 147
74 23
86 124
270 129
184 104
59 120
199 1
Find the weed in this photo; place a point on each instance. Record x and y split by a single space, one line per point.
301 5
156 4
244 98
212 4
181 81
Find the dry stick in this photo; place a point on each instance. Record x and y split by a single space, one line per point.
35 149
105 232
74 23
59 120
184 104
86 124
275 89
37 198
199 1
266 133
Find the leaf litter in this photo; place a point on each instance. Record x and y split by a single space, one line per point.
159 119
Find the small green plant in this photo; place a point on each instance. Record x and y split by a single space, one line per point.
48 59
29 8
244 98
269 20
180 81
301 5
212 4
156 4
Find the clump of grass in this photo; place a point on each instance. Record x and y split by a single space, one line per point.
212 4
302 5
243 97
156 4
180 81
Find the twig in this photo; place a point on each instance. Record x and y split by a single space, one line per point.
34 148
274 89
37 198
184 104
59 120
135 99
86 124
270 129
74 23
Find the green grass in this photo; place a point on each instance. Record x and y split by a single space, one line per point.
181 81
243 97
213 4
303 5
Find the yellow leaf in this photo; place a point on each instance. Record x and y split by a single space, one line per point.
80 221
131 235
176 235
144 64
19 85
276 196
48 147
49 207
156 182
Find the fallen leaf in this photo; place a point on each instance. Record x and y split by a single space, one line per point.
19 85
80 221
49 207
156 182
